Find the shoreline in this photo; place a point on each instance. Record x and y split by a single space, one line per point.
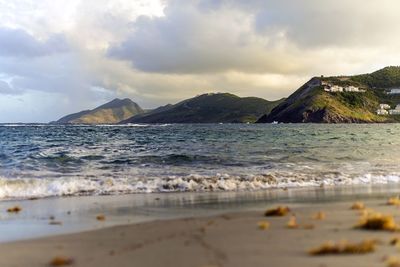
227 239
41 218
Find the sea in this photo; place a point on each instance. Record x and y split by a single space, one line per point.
41 160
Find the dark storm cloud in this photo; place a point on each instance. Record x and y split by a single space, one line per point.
19 43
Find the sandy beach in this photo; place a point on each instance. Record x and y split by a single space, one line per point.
229 239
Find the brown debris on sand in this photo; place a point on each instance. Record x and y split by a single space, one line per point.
344 247
55 223
358 206
263 225
15 209
319 216
366 212
61 261
392 262
377 221
393 201
279 211
101 217
394 241
292 223
308 226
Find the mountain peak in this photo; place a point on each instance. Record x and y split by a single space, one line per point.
111 112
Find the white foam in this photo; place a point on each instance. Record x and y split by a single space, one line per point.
123 125
132 125
26 125
39 188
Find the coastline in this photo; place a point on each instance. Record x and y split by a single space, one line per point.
229 239
78 213
209 229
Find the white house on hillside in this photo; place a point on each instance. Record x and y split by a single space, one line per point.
394 91
352 89
382 112
395 111
384 106
337 88
333 88
383 109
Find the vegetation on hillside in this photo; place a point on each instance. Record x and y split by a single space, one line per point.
312 104
210 108
385 78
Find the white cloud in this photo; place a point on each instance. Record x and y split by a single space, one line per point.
190 39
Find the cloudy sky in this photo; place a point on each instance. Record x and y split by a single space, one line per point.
62 56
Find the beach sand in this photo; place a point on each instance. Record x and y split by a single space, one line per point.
231 239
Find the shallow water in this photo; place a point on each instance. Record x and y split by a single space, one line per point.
78 214
44 160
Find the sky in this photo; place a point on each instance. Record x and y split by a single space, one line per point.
63 56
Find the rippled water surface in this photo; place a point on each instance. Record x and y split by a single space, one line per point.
44 160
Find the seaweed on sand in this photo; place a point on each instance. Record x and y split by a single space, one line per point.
101 217
279 211
320 215
394 241
61 261
393 201
15 209
308 226
292 223
263 225
358 206
377 221
392 262
55 223
344 247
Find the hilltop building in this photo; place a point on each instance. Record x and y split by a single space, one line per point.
382 112
394 91
395 111
333 88
383 109
384 106
336 88
353 89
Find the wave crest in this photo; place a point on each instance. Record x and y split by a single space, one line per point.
40 188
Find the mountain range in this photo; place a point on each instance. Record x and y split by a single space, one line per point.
337 99
206 108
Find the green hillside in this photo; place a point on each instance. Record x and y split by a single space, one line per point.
385 78
209 108
311 103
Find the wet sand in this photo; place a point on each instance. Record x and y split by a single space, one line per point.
231 239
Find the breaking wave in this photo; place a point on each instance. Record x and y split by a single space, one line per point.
41 188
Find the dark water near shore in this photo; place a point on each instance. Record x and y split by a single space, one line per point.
43 160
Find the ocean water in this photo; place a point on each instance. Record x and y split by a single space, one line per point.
50 160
